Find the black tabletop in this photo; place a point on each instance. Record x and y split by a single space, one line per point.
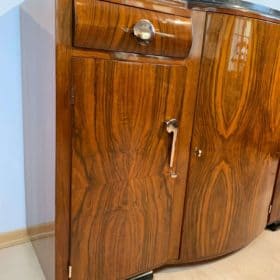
237 5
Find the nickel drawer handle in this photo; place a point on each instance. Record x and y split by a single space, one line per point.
172 127
144 31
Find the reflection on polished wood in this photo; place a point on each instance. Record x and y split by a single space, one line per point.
237 127
239 100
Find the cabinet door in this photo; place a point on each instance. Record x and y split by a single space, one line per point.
236 134
126 209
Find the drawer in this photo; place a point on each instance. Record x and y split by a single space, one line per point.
113 27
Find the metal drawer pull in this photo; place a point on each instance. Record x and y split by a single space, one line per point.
172 127
144 31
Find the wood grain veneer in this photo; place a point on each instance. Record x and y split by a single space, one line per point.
108 26
237 128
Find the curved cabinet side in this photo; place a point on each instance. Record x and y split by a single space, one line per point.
236 127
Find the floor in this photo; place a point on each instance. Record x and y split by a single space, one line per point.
259 261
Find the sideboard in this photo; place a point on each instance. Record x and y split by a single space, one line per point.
152 132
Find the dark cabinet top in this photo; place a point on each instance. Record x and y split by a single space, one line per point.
236 5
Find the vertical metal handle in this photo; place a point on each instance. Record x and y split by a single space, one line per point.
172 127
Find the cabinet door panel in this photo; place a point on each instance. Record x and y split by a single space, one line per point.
126 209
237 128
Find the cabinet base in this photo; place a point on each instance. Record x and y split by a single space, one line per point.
274 226
145 276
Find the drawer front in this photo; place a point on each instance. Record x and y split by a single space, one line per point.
107 26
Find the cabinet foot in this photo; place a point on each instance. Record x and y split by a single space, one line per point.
145 276
274 226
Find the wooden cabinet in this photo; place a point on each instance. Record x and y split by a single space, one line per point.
167 133
236 129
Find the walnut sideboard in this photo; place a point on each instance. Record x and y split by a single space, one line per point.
151 131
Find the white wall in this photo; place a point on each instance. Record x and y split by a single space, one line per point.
269 3
6 5
12 205
38 92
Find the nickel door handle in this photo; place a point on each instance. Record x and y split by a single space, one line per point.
172 127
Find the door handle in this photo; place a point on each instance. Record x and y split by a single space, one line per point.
172 127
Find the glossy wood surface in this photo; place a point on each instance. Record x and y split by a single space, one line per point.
126 210
108 26
275 212
237 125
